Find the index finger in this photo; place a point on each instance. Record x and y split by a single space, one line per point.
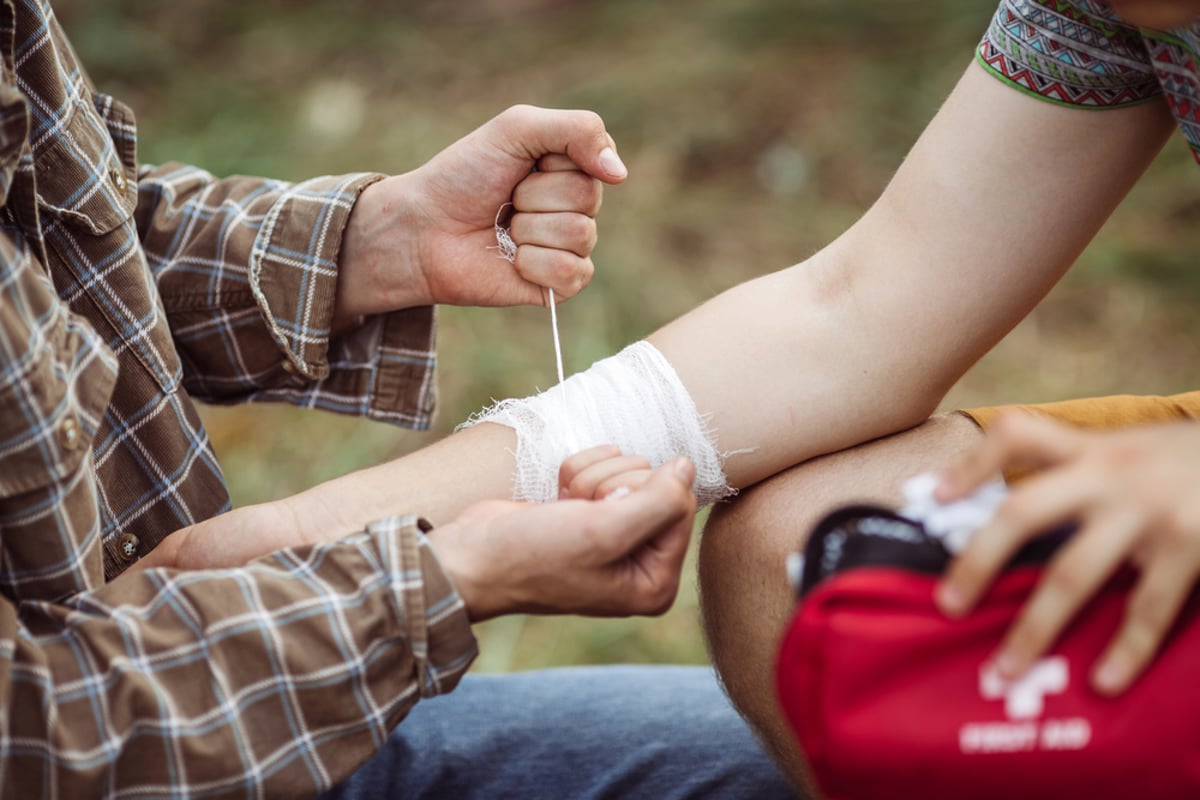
1036 506
556 162
1017 437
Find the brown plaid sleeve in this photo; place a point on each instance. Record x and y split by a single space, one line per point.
247 272
272 680
276 679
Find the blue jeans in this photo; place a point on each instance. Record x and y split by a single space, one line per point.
654 732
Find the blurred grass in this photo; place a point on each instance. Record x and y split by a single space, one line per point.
754 132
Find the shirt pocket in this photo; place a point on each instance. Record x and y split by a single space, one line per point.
56 384
86 175
87 194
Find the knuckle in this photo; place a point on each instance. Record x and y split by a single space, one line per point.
1016 508
510 118
568 273
610 485
581 487
578 190
1137 642
1143 617
568 470
968 573
583 277
593 534
1029 638
1175 524
659 607
593 196
1174 531
1008 426
589 120
1152 605
517 111
580 231
1067 580
662 596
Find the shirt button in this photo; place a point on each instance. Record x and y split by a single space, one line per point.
128 546
69 435
118 179
289 367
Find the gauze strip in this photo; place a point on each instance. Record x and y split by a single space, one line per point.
633 400
954 523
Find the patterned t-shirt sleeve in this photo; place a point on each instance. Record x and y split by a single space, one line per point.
1077 53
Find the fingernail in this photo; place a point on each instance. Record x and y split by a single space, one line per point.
949 600
1108 678
1007 665
612 163
563 493
944 487
682 467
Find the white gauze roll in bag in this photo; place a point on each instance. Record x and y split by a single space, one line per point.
633 400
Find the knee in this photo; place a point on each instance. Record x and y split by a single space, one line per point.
743 580
746 601
745 596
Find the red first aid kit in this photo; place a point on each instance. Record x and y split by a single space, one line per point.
889 698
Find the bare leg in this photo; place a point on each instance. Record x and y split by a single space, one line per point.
745 595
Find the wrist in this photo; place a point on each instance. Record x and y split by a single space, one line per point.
481 594
322 513
379 263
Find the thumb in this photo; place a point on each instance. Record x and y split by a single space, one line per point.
662 502
531 132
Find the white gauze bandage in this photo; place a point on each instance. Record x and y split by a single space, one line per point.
633 400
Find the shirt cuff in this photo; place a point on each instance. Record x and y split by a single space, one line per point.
384 367
428 606
293 266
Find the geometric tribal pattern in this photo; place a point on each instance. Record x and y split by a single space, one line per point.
1174 56
1080 53
1069 52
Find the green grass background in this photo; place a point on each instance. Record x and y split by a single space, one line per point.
755 131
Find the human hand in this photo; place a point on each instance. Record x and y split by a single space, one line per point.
428 236
600 472
1132 493
596 558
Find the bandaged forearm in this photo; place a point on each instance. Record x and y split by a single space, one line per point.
633 400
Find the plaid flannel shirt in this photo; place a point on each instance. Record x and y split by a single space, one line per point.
124 293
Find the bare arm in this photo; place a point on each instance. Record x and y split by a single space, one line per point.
995 201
